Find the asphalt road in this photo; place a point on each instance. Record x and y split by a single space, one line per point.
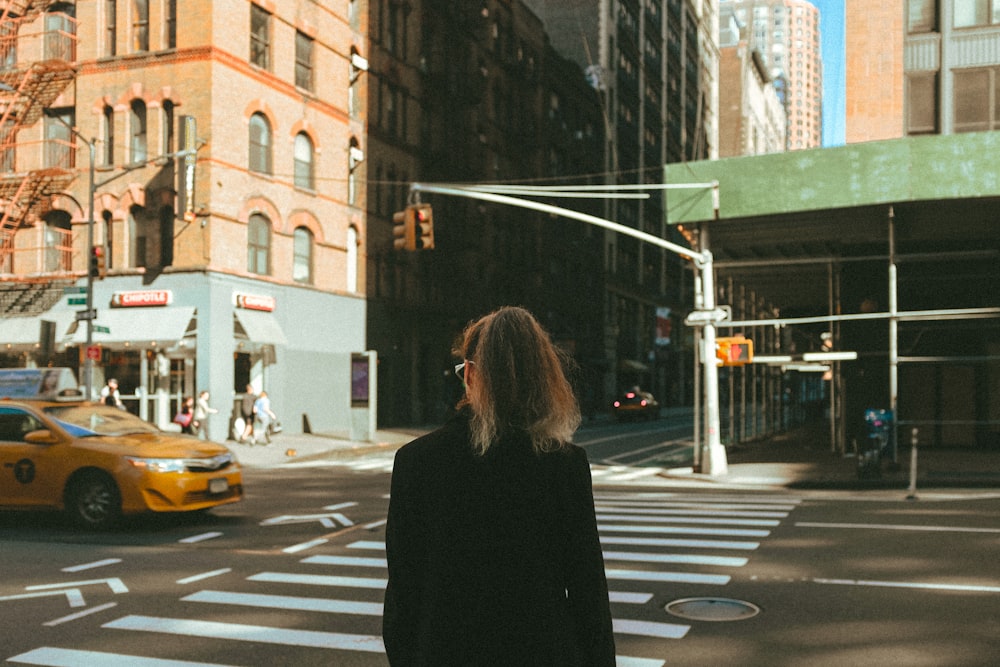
294 575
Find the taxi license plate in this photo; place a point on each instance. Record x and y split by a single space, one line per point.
218 485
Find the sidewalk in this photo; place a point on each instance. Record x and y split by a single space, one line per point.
798 459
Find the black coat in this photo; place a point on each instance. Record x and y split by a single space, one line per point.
493 560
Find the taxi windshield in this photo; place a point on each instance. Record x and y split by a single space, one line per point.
96 419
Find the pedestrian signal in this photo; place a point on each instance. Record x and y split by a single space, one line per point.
734 350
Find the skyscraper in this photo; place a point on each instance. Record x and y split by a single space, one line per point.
787 35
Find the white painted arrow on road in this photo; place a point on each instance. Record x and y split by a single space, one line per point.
73 596
116 585
327 519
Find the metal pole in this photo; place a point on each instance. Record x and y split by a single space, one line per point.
912 492
893 337
88 363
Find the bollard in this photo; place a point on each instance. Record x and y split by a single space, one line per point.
912 491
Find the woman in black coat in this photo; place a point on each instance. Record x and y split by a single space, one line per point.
492 544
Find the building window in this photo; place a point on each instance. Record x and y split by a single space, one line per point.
168 126
60 32
140 26
259 244
110 28
260 144
921 104
355 156
976 108
8 154
137 121
170 24
976 12
260 37
58 242
304 173
303 61
59 140
302 262
352 259
108 133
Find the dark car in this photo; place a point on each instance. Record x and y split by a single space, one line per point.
636 404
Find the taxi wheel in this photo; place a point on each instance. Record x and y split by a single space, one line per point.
93 500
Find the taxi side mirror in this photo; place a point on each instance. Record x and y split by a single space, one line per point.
40 437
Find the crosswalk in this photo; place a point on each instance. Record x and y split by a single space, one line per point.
325 603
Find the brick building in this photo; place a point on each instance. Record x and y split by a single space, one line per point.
206 287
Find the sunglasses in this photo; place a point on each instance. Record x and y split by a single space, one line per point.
460 369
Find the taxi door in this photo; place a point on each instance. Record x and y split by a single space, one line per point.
28 474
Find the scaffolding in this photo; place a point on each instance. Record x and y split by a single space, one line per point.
37 64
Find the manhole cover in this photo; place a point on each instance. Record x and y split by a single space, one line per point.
712 609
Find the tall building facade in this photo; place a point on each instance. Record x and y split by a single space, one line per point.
655 65
935 63
752 118
473 93
211 259
787 35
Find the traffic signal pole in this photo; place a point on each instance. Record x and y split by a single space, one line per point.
713 461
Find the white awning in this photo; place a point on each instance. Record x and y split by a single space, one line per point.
136 325
260 327
27 330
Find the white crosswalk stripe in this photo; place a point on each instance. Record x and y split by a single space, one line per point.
655 544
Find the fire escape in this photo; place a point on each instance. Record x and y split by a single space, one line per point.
37 63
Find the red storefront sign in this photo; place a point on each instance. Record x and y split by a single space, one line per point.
256 302
139 298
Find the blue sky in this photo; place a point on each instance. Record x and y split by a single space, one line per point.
832 51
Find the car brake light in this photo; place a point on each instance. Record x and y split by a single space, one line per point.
630 395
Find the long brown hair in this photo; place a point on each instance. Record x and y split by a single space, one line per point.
519 382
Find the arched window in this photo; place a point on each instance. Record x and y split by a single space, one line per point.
260 144
108 132
302 263
58 241
259 244
168 126
352 259
138 128
304 174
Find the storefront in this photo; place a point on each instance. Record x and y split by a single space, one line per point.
193 332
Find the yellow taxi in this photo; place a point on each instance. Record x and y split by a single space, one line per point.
99 462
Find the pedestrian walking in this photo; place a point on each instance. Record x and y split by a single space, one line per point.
247 408
491 539
264 415
185 415
202 410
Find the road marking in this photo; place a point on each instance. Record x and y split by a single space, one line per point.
204 575
666 542
629 598
88 566
672 519
324 605
625 661
62 657
646 506
685 530
375 524
318 580
660 496
115 584
200 538
367 544
353 561
254 633
340 506
894 526
906 584
80 614
649 629
302 546
73 596
687 559
673 577
691 512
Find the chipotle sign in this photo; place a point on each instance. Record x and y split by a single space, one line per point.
139 298
255 302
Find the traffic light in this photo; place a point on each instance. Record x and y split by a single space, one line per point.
734 351
413 228
423 217
403 232
98 263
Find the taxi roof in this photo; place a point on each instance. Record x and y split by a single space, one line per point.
39 384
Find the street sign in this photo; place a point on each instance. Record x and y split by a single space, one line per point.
101 329
74 290
86 314
78 301
720 314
